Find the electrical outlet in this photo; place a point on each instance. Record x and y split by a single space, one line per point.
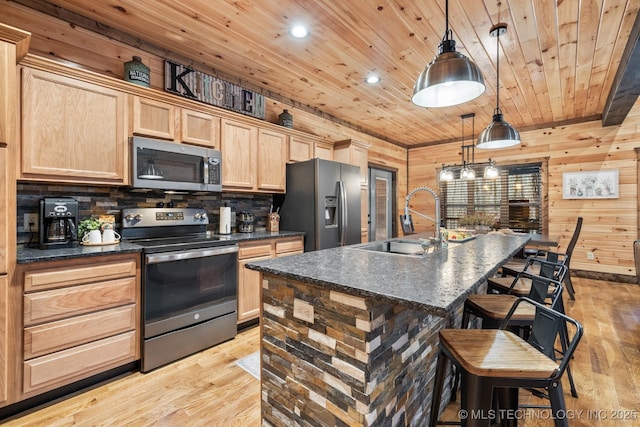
30 218
591 256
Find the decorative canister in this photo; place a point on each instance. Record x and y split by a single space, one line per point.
286 119
136 72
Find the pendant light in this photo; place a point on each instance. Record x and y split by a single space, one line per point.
450 79
499 134
468 173
491 171
468 169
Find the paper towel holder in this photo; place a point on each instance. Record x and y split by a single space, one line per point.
225 220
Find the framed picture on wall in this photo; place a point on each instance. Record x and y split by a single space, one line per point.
590 185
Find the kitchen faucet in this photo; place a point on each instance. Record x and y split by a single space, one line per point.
406 221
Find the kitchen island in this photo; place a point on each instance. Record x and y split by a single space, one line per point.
349 336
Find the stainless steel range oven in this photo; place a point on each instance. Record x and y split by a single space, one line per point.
189 283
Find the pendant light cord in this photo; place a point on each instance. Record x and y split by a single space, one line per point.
498 72
446 20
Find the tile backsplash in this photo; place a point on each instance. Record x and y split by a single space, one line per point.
93 201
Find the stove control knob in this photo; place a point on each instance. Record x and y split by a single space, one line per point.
202 215
138 217
129 217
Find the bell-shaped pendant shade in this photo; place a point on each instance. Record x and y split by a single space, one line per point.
450 79
491 171
467 173
446 175
499 134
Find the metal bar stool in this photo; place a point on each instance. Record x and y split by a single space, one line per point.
493 309
513 268
498 359
520 286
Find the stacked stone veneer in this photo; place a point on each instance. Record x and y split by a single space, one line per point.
361 362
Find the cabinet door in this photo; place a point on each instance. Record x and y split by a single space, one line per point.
199 128
238 142
323 151
4 335
272 158
360 157
71 130
153 118
249 282
5 202
300 149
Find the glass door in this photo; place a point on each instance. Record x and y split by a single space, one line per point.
381 196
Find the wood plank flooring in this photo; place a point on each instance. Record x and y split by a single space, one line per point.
208 389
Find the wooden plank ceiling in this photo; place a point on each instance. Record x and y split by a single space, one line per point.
558 59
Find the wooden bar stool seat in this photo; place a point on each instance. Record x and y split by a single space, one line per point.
497 307
520 283
498 360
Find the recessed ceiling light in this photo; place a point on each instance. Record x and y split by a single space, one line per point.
372 79
299 31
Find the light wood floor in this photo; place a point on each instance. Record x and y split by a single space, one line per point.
208 389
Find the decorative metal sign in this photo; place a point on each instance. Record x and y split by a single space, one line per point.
202 87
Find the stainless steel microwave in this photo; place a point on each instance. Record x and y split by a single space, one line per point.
173 166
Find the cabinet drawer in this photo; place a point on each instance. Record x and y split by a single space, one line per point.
55 336
256 250
289 246
60 303
64 367
56 277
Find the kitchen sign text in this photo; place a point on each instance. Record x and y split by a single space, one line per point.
197 85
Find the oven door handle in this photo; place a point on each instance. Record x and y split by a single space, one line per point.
198 253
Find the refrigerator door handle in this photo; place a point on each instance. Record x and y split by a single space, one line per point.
344 214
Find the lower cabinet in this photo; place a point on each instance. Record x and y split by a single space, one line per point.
250 281
80 318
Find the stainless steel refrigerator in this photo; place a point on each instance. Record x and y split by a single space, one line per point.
323 200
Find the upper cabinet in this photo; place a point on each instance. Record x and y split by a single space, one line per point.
272 154
253 159
72 130
355 153
303 148
153 118
199 128
159 119
238 143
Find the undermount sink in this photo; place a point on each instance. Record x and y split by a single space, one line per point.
399 247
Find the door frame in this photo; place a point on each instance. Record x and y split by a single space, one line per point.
393 196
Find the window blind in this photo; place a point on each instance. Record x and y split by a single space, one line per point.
513 199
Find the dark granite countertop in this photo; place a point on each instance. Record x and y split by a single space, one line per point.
29 255
436 282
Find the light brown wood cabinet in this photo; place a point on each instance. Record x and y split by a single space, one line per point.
153 118
357 153
158 119
303 148
80 318
253 159
250 281
72 130
272 154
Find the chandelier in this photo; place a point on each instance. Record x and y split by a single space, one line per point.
468 167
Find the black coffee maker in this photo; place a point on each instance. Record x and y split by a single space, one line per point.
58 223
